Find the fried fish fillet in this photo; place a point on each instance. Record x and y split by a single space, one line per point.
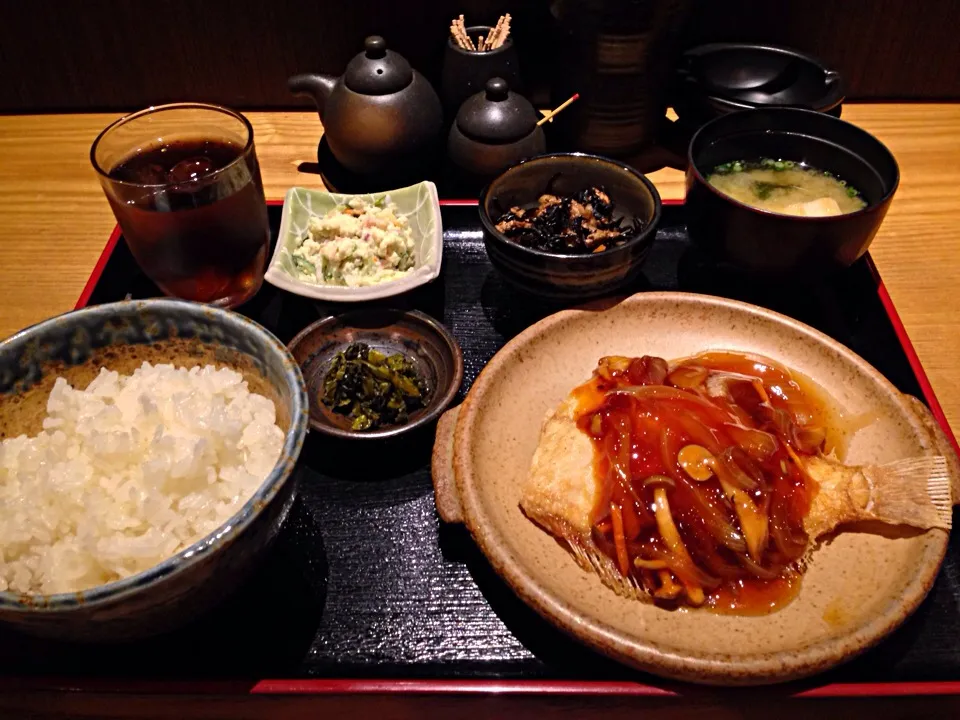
561 492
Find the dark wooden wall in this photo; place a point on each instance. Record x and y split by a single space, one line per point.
120 54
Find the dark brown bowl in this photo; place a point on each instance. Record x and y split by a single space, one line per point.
569 276
413 334
779 246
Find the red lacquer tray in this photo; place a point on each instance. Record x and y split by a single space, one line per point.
438 651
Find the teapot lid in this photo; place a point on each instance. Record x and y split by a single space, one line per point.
377 71
496 115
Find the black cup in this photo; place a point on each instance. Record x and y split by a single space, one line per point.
774 245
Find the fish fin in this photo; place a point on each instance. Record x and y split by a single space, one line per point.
915 491
590 558
940 441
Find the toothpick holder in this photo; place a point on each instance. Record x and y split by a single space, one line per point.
466 72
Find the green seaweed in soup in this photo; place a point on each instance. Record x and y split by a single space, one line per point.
786 187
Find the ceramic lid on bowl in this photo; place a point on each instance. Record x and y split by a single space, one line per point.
377 71
744 75
496 115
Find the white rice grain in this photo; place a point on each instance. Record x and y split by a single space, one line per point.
129 472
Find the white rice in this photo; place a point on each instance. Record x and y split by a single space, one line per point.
129 472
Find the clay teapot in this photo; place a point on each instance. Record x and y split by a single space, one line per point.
495 128
380 115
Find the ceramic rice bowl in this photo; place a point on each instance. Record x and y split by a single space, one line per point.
121 336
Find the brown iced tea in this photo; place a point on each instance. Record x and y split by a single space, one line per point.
192 209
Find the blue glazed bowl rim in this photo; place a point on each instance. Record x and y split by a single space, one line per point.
229 530
644 236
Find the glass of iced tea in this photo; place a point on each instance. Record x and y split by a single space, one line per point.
184 184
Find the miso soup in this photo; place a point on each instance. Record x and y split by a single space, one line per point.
786 187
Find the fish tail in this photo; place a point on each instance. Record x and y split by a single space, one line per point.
915 491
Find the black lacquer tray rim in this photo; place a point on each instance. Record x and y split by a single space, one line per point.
345 686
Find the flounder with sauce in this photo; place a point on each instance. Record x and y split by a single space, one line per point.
708 481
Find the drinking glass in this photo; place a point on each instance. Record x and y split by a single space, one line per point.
184 184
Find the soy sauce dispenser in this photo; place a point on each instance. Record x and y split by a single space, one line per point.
494 129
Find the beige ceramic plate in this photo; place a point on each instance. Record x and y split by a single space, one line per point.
858 587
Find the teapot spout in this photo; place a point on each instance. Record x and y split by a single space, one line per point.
315 85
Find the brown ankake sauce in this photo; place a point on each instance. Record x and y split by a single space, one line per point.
710 445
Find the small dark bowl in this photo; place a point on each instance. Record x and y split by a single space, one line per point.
413 334
780 246
569 276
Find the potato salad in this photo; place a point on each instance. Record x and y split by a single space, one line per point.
356 245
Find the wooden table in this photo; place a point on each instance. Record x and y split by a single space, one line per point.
54 219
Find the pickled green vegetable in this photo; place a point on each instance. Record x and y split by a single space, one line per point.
372 389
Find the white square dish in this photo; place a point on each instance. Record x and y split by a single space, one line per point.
419 203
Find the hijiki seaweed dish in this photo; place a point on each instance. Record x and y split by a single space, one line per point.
577 224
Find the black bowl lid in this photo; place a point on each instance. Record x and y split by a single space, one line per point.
741 76
377 71
496 115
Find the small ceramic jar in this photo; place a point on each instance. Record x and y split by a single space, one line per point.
494 129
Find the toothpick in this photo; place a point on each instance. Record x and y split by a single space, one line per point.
501 26
549 116
493 35
466 35
504 30
457 37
